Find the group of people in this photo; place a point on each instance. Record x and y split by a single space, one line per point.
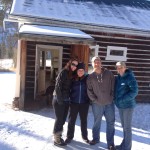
75 90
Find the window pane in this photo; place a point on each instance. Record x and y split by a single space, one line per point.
48 59
116 52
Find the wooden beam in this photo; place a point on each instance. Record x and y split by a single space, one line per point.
56 39
23 73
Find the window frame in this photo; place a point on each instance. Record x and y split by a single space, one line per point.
116 58
96 48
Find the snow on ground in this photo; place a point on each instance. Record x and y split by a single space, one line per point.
32 130
7 87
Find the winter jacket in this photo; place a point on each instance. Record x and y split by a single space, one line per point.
78 93
100 87
126 89
62 87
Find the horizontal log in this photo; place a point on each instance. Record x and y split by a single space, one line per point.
143 98
30 73
145 92
29 84
31 62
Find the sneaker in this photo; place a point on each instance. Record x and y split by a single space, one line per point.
68 140
86 140
93 142
60 143
111 147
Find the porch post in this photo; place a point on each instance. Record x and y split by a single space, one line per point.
23 60
17 90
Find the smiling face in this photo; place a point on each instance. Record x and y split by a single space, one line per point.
121 70
96 64
74 65
80 72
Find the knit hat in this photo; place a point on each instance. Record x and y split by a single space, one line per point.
81 66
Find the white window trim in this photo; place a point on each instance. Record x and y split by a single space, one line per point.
118 58
96 47
46 48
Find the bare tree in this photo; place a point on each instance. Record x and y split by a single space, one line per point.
8 38
4 8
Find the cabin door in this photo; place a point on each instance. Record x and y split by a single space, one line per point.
48 64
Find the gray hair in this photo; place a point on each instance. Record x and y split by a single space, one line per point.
95 58
121 63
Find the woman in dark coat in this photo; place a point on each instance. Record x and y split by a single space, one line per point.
61 99
79 104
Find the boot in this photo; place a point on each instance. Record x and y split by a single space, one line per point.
85 139
68 140
58 141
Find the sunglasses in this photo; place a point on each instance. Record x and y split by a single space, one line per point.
72 64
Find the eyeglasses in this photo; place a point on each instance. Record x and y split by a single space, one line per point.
72 64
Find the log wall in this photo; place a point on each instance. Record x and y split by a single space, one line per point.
138 57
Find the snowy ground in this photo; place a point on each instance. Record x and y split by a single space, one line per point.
6 63
33 130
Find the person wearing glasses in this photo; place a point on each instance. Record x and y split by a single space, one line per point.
79 104
61 99
100 89
126 89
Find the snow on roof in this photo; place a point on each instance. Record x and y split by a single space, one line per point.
53 31
85 12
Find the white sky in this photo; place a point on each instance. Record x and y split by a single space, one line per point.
33 130
84 12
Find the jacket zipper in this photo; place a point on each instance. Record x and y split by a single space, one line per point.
80 94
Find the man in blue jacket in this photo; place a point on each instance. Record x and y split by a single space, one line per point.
126 89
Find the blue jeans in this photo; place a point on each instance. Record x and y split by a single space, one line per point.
109 112
126 119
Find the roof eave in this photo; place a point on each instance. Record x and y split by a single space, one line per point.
56 39
81 26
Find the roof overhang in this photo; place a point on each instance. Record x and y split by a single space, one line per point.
55 35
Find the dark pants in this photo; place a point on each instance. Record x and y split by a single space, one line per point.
82 109
61 112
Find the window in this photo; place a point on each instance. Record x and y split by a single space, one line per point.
116 53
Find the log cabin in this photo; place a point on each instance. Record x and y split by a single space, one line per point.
50 32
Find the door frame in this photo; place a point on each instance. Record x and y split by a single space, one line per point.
45 48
